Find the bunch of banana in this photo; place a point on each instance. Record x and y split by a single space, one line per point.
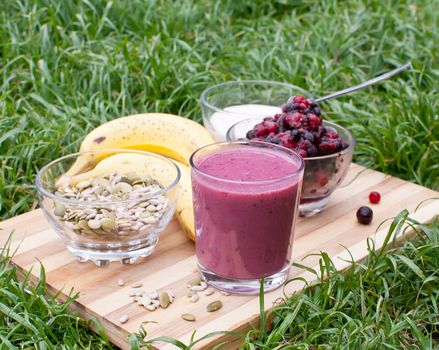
166 134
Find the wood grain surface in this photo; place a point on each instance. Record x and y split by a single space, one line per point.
174 262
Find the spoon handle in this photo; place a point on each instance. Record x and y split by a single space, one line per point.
366 83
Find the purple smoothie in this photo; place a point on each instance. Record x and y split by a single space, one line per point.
245 199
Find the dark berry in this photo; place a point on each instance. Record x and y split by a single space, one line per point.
251 134
312 103
327 148
261 130
374 197
316 111
308 136
312 151
295 134
338 145
364 215
304 144
287 107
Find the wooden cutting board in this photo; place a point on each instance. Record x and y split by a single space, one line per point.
174 262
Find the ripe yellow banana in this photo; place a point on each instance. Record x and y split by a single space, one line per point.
156 168
170 135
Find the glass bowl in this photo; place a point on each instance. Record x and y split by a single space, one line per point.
230 102
322 174
114 210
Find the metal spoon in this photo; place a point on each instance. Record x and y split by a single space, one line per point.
366 83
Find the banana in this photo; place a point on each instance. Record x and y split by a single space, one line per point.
156 168
170 135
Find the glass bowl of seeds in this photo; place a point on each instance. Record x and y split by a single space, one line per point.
109 205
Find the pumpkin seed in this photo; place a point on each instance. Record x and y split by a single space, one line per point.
108 224
214 306
60 209
194 282
188 317
164 300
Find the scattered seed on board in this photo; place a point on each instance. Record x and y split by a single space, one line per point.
120 282
194 282
214 306
225 293
137 285
209 291
150 307
164 300
191 293
133 293
188 317
124 319
154 294
199 288
194 298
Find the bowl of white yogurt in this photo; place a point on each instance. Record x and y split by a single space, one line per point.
225 104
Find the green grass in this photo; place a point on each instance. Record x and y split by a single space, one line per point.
67 66
388 301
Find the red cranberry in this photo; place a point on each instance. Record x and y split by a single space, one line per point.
299 99
364 215
374 197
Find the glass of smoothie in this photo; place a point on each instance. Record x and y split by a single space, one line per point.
245 205
227 103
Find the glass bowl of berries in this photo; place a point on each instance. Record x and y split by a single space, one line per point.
326 147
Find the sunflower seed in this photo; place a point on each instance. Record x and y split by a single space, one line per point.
214 306
94 224
120 282
188 317
191 293
225 293
124 319
137 285
194 298
209 291
83 184
144 301
199 288
150 307
154 294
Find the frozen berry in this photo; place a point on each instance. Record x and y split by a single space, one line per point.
312 151
299 99
374 197
327 148
364 215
